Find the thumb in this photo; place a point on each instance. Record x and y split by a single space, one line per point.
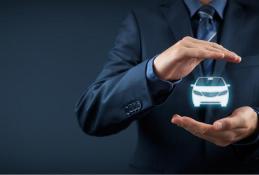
227 123
218 125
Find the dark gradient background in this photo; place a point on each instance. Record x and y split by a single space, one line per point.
50 51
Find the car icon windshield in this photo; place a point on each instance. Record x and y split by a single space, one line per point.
210 82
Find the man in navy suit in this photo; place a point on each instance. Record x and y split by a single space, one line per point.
159 52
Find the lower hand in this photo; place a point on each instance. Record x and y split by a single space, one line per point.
242 123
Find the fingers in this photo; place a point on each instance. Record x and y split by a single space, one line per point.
222 138
203 46
226 137
202 54
228 123
210 46
203 43
191 125
223 132
207 132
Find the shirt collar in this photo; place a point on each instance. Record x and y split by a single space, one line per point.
195 5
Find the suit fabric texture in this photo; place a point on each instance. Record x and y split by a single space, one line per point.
121 93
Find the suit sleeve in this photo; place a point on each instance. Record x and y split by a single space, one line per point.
120 94
248 148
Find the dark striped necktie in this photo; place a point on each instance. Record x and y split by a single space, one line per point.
207 31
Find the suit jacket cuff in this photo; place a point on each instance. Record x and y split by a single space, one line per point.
254 138
159 89
248 148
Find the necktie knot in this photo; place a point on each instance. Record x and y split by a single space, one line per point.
206 11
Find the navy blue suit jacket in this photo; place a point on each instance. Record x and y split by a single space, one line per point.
121 93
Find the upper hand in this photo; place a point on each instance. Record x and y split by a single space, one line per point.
180 59
242 123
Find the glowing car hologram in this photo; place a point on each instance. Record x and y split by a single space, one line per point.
210 91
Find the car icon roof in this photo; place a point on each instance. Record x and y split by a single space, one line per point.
210 81
210 78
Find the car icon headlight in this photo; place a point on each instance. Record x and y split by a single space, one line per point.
222 93
197 93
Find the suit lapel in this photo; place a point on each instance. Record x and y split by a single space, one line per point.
233 22
179 21
178 18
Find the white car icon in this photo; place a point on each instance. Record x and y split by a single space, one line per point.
210 91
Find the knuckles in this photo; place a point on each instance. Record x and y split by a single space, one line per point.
186 38
215 45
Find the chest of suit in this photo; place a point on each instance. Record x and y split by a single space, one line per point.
239 33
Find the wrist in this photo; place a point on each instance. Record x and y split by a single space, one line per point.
158 68
163 69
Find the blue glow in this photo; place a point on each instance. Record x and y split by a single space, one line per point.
210 91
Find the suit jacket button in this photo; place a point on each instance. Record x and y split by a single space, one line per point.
133 108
